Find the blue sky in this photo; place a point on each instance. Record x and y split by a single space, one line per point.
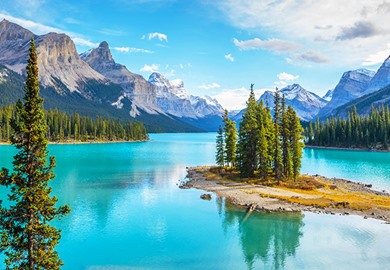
219 48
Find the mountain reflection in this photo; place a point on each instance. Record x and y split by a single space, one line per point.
266 239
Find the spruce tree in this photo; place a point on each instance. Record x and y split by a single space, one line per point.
230 140
27 238
248 138
220 154
277 147
263 155
296 141
286 153
269 130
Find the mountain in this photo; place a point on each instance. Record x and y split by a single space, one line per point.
381 78
14 45
58 59
305 103
158 95
363 104
136 88
201 111
352 85
67 82
328 96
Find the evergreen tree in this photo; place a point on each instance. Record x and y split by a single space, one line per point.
269 130
230 139
220 155
286 153
369 131
310 133
248 138
277 148
296 142
264 156
27 239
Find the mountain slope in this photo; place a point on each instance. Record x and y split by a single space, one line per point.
172 97
67 82
328 96
57 58
136 88
158 95
364 103
352 85
381 78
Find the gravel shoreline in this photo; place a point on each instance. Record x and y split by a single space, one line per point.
248 196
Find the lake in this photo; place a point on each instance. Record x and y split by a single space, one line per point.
128 212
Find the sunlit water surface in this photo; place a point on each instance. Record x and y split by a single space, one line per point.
128 212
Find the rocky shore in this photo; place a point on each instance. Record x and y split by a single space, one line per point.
266 198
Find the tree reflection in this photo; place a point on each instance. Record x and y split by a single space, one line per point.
268 237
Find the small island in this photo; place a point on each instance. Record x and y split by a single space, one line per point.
259 169
315 193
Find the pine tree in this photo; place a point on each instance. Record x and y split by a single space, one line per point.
220 155
263 154
286 153
310 133
248 138
277 147
27 239
230 140
296 141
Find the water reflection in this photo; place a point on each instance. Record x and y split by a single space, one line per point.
266 239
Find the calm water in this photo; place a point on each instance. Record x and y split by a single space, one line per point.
128 213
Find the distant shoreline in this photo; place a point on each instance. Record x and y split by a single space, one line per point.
86 142
346 148
347 197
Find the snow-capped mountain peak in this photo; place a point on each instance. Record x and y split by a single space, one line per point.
305 103
173 98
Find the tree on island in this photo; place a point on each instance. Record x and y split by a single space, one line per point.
230 140
270 147
27 239
248 138
220 154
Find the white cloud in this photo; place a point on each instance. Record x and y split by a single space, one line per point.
131 50
319 25
229 57
312 56
40 29
84 42
276 45
159 36
377 58
150 68
235 99
287 77
209 86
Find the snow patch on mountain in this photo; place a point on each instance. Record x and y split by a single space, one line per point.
173 99
305 103
328 95
352 85
118 104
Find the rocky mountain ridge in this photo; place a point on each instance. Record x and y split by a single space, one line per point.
94 84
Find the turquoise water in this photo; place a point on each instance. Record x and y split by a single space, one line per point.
128 212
